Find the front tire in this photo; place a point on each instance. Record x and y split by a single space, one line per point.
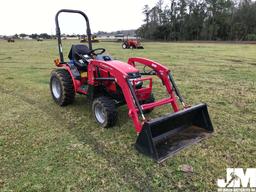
62 88
151 99
105 112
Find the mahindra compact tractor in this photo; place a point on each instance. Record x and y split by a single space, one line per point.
110 83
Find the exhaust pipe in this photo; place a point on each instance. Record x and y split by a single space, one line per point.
163 137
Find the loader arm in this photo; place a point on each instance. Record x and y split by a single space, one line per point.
163 73
162 137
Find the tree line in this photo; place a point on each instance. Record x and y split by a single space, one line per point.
36 36
200 20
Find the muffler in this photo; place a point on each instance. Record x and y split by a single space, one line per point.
162 137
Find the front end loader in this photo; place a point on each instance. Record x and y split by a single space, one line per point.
111 83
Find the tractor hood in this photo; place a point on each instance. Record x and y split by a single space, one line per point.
124 67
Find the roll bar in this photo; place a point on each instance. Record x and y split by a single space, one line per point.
58 33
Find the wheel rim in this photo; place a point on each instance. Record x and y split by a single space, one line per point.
56 88
99 113
124 46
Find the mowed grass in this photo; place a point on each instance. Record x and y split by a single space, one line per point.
44 147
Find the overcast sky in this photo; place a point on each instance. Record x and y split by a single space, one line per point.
37 16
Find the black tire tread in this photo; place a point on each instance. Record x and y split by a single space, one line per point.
125 46
68 94
110 108
149 100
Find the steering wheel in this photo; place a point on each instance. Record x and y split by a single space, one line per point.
97 51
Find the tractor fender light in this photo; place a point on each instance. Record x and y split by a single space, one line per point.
57 62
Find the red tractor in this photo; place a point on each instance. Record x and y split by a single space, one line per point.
110 83
132 43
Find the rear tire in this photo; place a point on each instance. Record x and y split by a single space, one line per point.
104 111
62 88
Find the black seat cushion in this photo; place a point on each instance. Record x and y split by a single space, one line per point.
74 53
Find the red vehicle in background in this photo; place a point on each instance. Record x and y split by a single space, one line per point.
132 43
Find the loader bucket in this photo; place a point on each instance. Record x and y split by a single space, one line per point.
162 137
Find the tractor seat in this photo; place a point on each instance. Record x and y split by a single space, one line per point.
74 54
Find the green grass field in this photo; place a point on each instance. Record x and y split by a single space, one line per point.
44 147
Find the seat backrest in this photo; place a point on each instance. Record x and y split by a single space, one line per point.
78 49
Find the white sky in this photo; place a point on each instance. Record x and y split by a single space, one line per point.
37 16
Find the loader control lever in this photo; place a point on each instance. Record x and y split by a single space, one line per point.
151 72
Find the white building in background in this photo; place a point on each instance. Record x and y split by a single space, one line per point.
69 38
25 38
